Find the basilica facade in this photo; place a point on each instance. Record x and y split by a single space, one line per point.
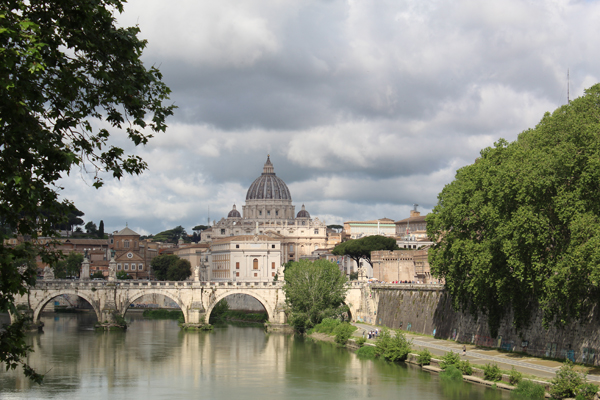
269 212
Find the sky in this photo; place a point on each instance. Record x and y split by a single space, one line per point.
365 107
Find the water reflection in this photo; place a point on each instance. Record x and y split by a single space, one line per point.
154 359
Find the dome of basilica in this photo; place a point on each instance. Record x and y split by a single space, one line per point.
234 213
268 186
303 213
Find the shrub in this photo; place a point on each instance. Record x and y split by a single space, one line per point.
366 352
219 310
529 390
566 382
343 332
392 348
491 372
587 391
360 342
327 326
450 358
451 373
424 357
515 376
465 367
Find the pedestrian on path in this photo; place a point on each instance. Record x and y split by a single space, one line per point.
464 350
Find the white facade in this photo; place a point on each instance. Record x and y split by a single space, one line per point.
245 259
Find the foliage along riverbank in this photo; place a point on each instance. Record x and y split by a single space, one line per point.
163 314
567 383
222 313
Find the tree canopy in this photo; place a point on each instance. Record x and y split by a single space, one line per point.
358 249
169 267
520 227
171 235
69 267
313 291
69 79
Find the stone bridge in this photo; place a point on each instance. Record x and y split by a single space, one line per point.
196 299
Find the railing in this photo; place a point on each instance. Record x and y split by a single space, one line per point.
135 284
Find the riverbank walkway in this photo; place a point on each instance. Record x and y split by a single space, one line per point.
479 356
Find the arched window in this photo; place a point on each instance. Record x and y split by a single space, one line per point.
126 244
255 263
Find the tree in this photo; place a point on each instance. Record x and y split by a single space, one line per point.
520 228
97 274
91 228
313 291
172 235
101 230
180 270
358 249
68 77
337 228
123 275
199 228
69 267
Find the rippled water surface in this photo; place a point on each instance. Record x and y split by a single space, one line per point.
155 360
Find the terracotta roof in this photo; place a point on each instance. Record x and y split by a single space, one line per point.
126 232
84 241
420 218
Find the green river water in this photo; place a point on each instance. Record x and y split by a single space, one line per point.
153 359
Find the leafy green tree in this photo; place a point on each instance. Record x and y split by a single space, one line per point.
393 348
360 249
90 227
68 77
101 230
199 228
123 275
69 267
313 291
520 227
97 274
172 235
180 270
160 265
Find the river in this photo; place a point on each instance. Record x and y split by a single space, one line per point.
153 359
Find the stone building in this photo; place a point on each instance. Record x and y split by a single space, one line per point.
358 229
244 258
269 211
401 265
130 255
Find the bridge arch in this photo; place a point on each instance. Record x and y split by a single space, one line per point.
251 293
45 300
137 295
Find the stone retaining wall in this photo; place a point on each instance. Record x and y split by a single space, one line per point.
428 310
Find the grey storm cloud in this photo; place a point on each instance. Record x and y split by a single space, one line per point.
365 108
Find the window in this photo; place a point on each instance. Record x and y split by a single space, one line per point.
237 265
222 231
291 248
255 274
119 267
272 265
237 246
126 267
272 246
276 212
316 231
126 244
272 273
141 267
255 264
303 222
260 213
269 212
237 274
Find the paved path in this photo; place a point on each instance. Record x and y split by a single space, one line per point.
476 355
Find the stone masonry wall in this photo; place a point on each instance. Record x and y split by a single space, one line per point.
427 309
